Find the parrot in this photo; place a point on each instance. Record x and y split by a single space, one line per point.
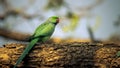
42 33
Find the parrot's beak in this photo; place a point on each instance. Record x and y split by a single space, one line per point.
58 20
61 19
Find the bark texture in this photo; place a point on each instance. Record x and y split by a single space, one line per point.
64 55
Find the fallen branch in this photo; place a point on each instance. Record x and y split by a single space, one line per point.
14 35
68 55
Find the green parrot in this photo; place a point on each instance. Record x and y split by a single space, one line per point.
41 34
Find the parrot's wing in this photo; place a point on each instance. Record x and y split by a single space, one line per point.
43 30
33 37
39 28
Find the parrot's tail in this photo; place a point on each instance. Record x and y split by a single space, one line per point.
27 49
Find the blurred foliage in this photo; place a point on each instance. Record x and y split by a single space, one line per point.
74 20
118 54
97 23
90 31
117 23
71 17
115 37
54 4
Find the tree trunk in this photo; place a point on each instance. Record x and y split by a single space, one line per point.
64 55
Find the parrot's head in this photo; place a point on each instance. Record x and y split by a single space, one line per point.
54 19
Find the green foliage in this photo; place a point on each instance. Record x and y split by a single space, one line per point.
74 19
118 54
54 4
97 23
117 23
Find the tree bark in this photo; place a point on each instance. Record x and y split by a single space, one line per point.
64 55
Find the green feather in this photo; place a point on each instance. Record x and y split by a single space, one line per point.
25 52
42 34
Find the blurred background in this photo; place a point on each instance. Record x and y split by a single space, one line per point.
80 20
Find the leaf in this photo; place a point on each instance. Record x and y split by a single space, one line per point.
54 4
118 54
97 23
74 19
